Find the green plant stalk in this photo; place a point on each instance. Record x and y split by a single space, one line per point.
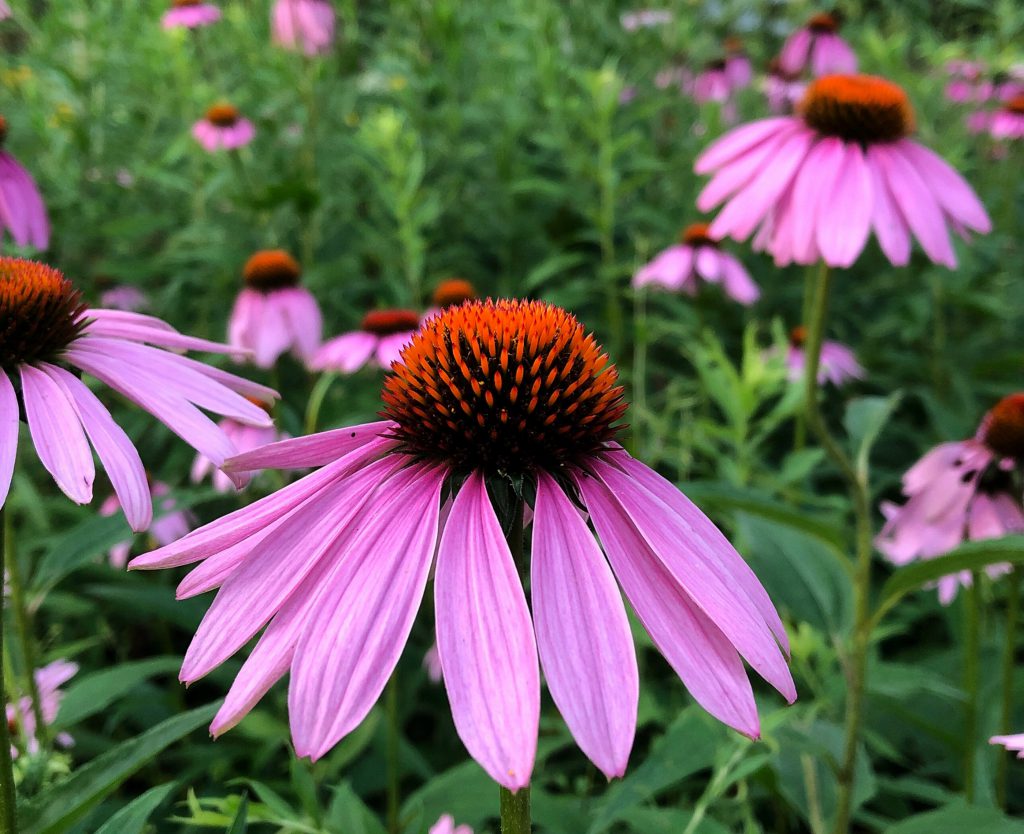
972 645
856 667
316 400
8 808
394 763
1009 650
23 624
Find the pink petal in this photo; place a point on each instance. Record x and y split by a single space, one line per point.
737 281
737 142
810 190
793 57
889 225
845 221
951 191
312 450
485 640
9 424
586 648
346 353
740 171
709 266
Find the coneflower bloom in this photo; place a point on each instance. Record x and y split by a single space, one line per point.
738 68
818 47
1005 123
712 83
124 297
169 527
378 342
190 14
21 717
968 82
697 257
306 25
273 313
968 490
49 336
22 212
5 10
245 438
783 90
488 397
1015 743
223 128
450 292
446 825
837 363
815 185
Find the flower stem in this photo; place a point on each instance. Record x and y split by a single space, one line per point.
394 765
316 400
515 811
23 624
972 646
856 668
1009 650
8 809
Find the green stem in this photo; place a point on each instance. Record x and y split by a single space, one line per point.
639 368
316 400
515 811
972 640
1009 650
8 808
23 623
394 764
856 667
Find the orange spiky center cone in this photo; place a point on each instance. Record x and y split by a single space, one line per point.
696 234
271 269
223 115
453 291
1003 428
389 322
857 108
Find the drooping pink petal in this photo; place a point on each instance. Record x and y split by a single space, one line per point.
311 450
346 353
213 571
951 191
9 423
583 637
362 619
795 51
485 640
738 142
122 327
810 190
708 263
845 221
740 171
889 225
737 281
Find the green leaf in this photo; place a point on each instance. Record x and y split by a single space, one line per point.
92 693
962 818
57 808
864 420
350 815
84 543
132 818
240 824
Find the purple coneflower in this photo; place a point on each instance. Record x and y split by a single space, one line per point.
968 82
783 90
190 14
245 438
697 257
837 364
378 342
171 526
306 25
273 313
223 128
124 297
448 293
817 46
816 185
22 211
21 716
446 825
49 336
1005 123
962 491
488 397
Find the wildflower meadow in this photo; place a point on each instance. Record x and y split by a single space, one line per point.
439 417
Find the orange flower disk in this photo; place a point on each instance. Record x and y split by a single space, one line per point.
1003 431
858 108
40 312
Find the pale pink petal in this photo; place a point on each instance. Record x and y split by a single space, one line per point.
346 353
737 281
951 191
389 348
314 449
845 221
810 190
889 225
737 142
740 171
304 321
708 263
793 57
9 423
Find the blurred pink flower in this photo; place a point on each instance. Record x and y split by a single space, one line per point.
712 84
49 335
336 564
678 75
432 664
816 185
837 363
190 14
698 257
223 127
968 82
1014 744
960 491
5 10
22 720
378 342
1005 123
169 527
644 19
22 211
124 297
446 825
817 47
245 438
273 314
783 90
306 25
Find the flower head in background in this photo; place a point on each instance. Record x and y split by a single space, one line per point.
1015 743
223 128
124 297
169 527
303 25
245 438
968 82
273 313
49 336
378 342
817 47
22 212
783 90
837 363
1005 123
645 19
817 184
487 395
21 717
738 68
5 10
968 490
449 293
697 257
446 825
712 83
190 14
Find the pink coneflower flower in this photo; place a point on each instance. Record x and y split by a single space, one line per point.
223 128
378 342
190 14
818 47
22 211
170 527
49 336
968 82
21 718
1005 123
783 90
446 825
696 258
960 491
738 68
273 313
820 182
5 10
124 297
1015 744
644 19
245 439
306 25
487 396
712 83
837 364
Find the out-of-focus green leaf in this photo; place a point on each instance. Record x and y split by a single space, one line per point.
864 420
349 815
958 819
132 818
85 542
91 693
240 824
